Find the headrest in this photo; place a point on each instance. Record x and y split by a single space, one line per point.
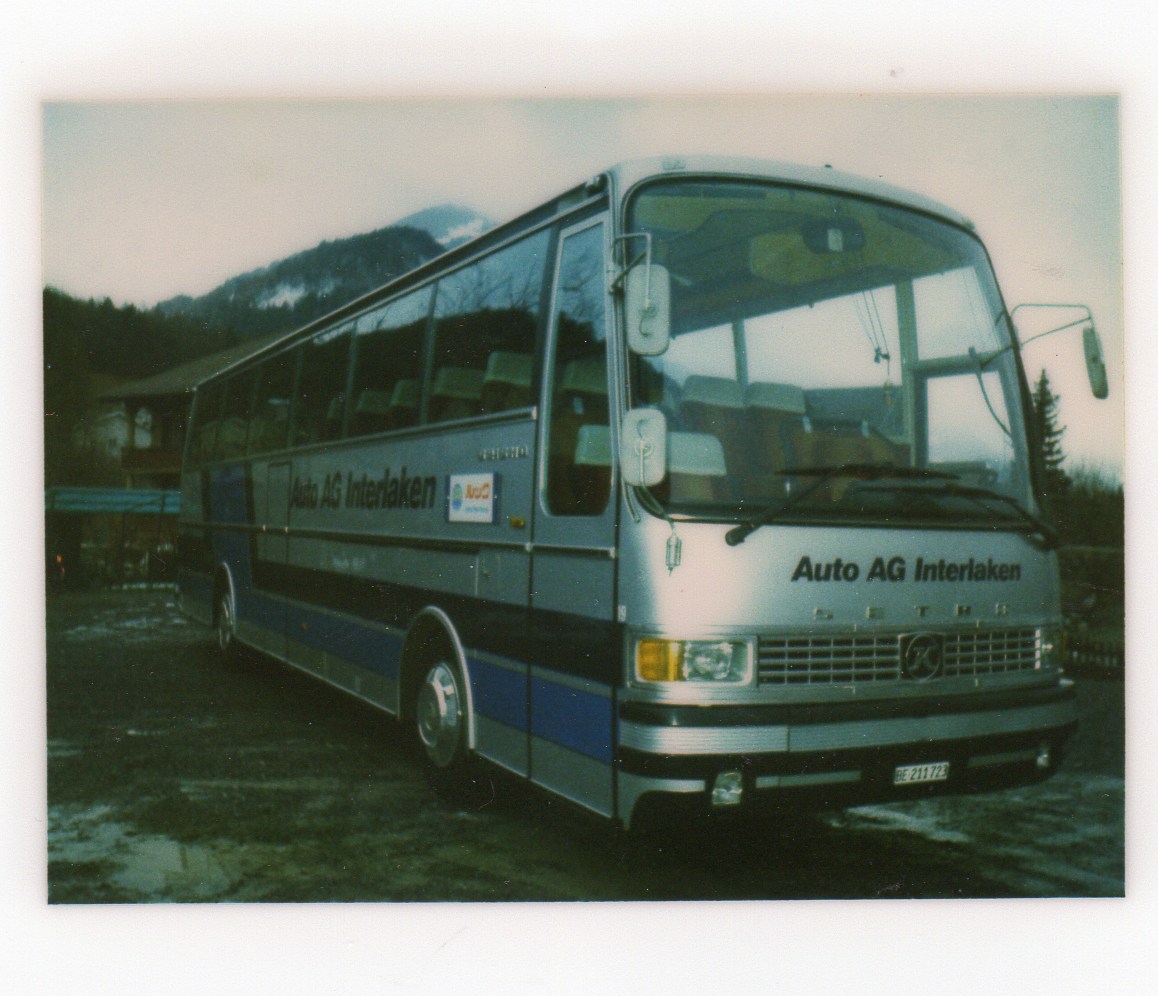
509 368
405 394
585 376
372 403
593 447
695 453
717 391
780 397
458 382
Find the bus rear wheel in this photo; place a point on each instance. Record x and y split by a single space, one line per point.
440 717
226 625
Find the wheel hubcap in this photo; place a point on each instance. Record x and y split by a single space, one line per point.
225 625
440 715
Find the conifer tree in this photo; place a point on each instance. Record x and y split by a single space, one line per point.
1045 407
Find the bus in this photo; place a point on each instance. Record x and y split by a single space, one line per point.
708 482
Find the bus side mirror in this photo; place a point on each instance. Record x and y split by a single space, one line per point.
1091 343
647 308
1095 362
643 447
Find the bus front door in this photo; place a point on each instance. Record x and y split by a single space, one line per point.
264 623
573 627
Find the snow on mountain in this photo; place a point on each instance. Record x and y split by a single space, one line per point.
282 296
294 291
463 233
449 225
291 292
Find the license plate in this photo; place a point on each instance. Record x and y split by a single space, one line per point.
917 774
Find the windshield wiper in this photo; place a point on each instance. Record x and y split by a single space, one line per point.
870 472
1049 537
866 471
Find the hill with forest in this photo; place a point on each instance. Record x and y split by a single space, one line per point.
91 346
294 291
84 338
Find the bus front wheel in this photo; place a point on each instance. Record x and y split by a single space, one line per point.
440 717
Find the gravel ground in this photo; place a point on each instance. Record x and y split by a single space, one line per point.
176 777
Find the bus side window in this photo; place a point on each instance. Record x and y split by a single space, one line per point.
321 397
486 319
269 428
206 421
235 421
388 360
578 445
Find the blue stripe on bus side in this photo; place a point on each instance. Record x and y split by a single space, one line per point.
564 715
499 693
228 494
233 550
571 718
259 609
367 647
580 646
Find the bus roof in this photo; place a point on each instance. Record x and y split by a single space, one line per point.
626 174
623 176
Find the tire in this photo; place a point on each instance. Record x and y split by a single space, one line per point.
440 719
226 626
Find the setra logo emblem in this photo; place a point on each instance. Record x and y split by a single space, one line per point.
922 656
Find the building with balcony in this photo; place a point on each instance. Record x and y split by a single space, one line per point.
148 417
111 535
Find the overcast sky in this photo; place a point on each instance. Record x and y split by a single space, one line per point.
145 200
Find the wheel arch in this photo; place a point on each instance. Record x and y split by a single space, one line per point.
432 635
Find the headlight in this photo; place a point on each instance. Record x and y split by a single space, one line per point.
693 660
1052 649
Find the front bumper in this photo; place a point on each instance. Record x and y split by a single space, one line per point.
841 753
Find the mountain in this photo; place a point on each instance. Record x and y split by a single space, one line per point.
90 345
449 225
291 292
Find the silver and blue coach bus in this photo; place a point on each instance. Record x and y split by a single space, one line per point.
709 480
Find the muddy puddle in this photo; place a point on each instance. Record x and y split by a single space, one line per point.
144 867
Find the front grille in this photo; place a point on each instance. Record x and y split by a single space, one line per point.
867 658
808 660
990 652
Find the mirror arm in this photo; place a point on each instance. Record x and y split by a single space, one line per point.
1069 325
630 500
617 280
1091 344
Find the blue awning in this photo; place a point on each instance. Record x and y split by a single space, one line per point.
128 501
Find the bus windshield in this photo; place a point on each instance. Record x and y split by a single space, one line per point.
830 355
